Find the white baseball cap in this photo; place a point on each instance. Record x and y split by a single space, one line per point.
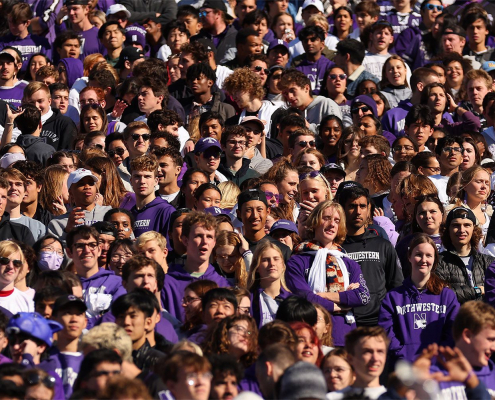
10 158
315 3
78 174
115 8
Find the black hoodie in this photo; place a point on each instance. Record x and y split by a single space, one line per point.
10 230
35 148
59 131
381 270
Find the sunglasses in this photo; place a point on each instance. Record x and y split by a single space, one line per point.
136 136
364 109
259 68
311 174
340 76
304 143
270 195
6 261
119 151
35 379
432 7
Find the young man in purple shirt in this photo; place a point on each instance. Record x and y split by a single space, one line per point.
11 88
199 236
313 63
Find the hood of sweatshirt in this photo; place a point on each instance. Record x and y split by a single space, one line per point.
316 100
74 68
102 274
368 235
27 141
179 273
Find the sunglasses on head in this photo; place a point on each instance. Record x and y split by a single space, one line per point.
136 136
34 379
340 76
304 143
432 7
259 68
364 109
311 174
119 151
6 261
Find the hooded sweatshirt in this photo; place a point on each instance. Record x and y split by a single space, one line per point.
296 276
59 131
10 230
35 148
66 365
99 292
74 68
320 107
381 270
415 319
176 280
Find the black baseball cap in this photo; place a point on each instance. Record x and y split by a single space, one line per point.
250 195
68 300
129 53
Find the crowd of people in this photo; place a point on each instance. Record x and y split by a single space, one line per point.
245 199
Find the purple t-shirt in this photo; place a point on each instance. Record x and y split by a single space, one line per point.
28 46
90 43
14 94
315 71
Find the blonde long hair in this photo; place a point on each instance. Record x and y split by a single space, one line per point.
254 277
228 238
54 181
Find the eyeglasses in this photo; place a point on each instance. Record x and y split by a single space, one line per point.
364 109
340 76
311 174
35 379
119 151
255 131
241 143
270 195
6 261
52 249
244 310
449 149
259 68
405 147
204 13
241 330
432 7
118 257
136 136
304 143
82 246
192 378
435 170
86 102
188 300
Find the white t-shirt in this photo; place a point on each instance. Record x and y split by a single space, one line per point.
17 302
440 182
170 197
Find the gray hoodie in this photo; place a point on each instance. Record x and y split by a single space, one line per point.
259 163
320 107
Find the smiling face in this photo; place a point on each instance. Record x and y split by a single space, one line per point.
330 133
455 74
461 232
209 198
239 337
480 347
253 215
306 349
338 373
288 187
422 260
396 72
313 190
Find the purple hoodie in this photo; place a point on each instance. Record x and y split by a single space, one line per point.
28 362
402 22
31 44
154 216
256 310
90 43
176 280
415 319
66 365
106 284
315 71
296 276
74 68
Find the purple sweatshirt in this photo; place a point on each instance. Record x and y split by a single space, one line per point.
74 68
315 71
90 43
14 94
66 365
296 276
176 280
99 292
28 46
154 216
401 22
415 319
28 362
47 11
469 123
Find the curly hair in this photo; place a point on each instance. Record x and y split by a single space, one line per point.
218 341
244 80
293 76
378 172
315 219
145 162
227 238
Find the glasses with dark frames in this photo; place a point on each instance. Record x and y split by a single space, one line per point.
119 151
6 261
259 68
136 136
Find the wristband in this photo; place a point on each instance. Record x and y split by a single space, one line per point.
477 291
9 123
246 253
471 373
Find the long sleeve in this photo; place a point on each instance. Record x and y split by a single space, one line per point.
393 269
490 284
386 321
452 310
49 15
356 297
469 123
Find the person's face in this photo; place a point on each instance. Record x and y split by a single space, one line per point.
455 74
334 178
38 392
192 23
453 43
209 160
41 100
238 336
283 236
77 13
451 156
61 100
16 192
369 149
244 7
381 39
152 27
367 126
321 327
191 303
253 215
167 171
336 82
70 49
45 308
359 111
370 355
253 45
88 97
461 231
73 321
216 310
441 73
118 258
254 133
36 63
120 16
479 187
226 257
271 192
173 69
296 96
191 384
117 152
209 198
261 27
278 56
242 99
224 386
302 143
8 68
261 69
308 12
477 90
112 37
396 72
196 180
211 128
200 242
310 160
481 346
306 350
284 22
122 223
143 182
104 242
430 13
432 167
368 87
92 121
362 172
209 17
84 191
200 85
84 252
271 267
288 187
147 101
477 32
437 100
327 229
144 278
9 272
343 21
313 190
338 373
134 322
98 378
420 132
364 19
429 217
235 146
138 143
468 156
331 132
357 213
422 259
403 150
313 45
31 191
176 39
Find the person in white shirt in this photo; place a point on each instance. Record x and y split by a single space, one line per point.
169 167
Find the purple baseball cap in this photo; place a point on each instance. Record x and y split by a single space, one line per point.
215 211
367 100
284 224
205 143
278 42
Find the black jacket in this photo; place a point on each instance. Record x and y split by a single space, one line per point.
59 131
453 271
142 9
146 356
381 270
10 230
243 174
217 105
35 148
227 41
